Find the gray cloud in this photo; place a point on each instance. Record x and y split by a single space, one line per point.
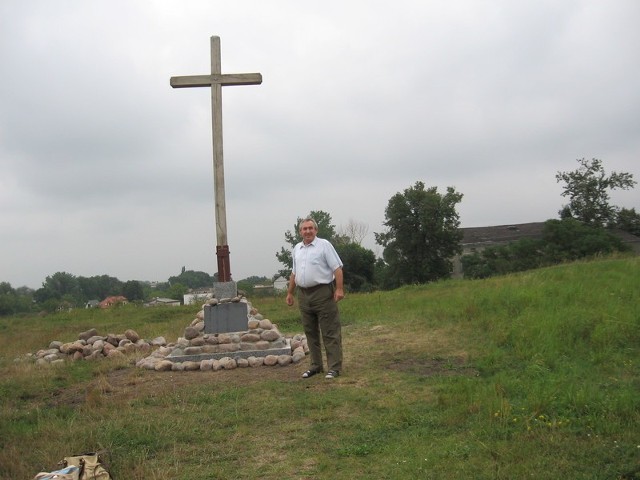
106 169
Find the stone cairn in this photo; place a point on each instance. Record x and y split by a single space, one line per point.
195 350
91 346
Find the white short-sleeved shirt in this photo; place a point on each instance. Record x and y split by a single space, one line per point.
314 264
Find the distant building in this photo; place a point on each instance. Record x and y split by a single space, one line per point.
263 289
197 296
280 283
632 241
92 304
163 302
111 301
476 239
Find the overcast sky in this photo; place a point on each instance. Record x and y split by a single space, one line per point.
105 169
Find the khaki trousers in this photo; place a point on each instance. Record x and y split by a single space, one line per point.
321 319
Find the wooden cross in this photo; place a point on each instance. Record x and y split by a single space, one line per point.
216 80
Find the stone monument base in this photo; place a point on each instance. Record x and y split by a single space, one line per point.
251 342
198 357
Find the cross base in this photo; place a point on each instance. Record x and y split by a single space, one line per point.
225 290
224 266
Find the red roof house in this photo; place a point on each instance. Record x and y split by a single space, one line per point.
111 301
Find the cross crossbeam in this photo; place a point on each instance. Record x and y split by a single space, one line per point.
224 80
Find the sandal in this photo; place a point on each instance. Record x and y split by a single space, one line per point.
309 373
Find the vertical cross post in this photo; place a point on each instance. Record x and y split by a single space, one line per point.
216 80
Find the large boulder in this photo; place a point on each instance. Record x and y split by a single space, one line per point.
191 332
132 335
88 334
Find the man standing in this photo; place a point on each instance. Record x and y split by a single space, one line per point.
317 272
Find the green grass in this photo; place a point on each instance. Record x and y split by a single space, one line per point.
534 375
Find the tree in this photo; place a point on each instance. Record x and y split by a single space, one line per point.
99 287
62 284
354 231
133 290
326 230
193 279
570 239
587 189
422 235
248 284
176 291
8 299
359 267
6 289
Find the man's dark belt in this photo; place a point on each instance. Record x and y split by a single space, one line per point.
314 288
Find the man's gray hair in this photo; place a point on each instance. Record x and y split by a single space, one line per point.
308 219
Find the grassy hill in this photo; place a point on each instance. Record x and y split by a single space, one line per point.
534 375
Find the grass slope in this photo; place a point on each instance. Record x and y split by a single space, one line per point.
534 375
